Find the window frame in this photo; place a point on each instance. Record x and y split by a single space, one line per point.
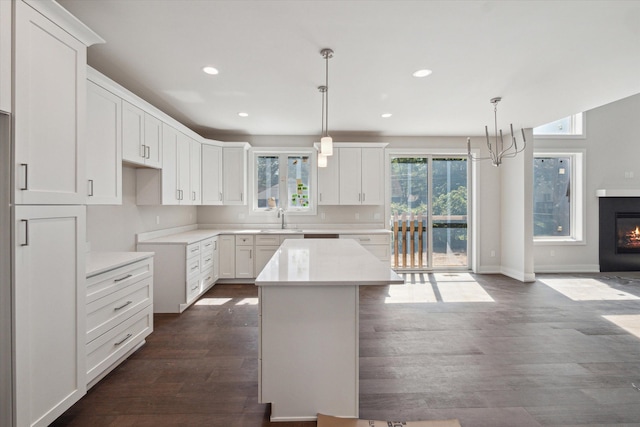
283 153
575 133
577 202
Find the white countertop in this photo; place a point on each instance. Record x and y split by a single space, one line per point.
192 236
325 262
99 262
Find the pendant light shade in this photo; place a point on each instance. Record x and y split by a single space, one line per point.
326 146
322 160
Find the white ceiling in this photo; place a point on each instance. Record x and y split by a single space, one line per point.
546 59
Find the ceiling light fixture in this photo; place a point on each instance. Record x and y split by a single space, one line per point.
497 152
386 115
322 160
422 73
210 70
243 114
326 142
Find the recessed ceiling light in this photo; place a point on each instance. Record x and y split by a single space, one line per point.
422 73
210 70
242 114
386 115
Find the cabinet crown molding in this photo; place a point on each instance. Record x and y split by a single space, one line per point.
63 18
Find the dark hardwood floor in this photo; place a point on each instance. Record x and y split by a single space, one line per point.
485 349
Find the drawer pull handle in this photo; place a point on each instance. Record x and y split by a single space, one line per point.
208 278
123 340
195 287
195 267
196 249
207 245
207 260
364 239
123 278
123 306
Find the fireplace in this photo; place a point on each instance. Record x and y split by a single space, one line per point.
619 233
627 233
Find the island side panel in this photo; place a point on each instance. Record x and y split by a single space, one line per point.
309 351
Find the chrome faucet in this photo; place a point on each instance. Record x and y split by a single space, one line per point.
281 215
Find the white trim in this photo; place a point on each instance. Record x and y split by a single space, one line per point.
631 192
64 19
518 275
574 135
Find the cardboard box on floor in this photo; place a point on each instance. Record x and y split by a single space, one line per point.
329 421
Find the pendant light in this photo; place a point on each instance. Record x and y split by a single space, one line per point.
326 142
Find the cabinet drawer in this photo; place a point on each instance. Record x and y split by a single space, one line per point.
112 345
207 279
193 288
209 244
368 239
105 313
206 261
244 240
193 250
268 240
111 281
193 267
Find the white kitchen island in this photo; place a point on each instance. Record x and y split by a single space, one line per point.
308 356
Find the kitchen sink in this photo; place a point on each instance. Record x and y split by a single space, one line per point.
281 231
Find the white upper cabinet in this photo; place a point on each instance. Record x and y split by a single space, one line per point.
49 104
372 175
211 174
195 173
104 146
329 181
176 183
141 137
5 56
235 174
361 176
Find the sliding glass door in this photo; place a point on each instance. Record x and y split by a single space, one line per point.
428 205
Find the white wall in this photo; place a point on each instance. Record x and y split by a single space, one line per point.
612 147
114 228
517 215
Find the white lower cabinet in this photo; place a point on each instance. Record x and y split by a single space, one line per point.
266 247
227 256
119 315
377 244
182 272
244 257
49 312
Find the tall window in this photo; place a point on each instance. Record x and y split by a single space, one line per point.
557 196
283 180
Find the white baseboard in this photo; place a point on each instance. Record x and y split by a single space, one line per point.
567 268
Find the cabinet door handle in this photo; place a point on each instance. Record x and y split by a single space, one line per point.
122 306
363 196
26 232
359 197
147 151
241 197
144 151
320 196
123 340
194 195
220 199
250 253
26 176
90 188
123 278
